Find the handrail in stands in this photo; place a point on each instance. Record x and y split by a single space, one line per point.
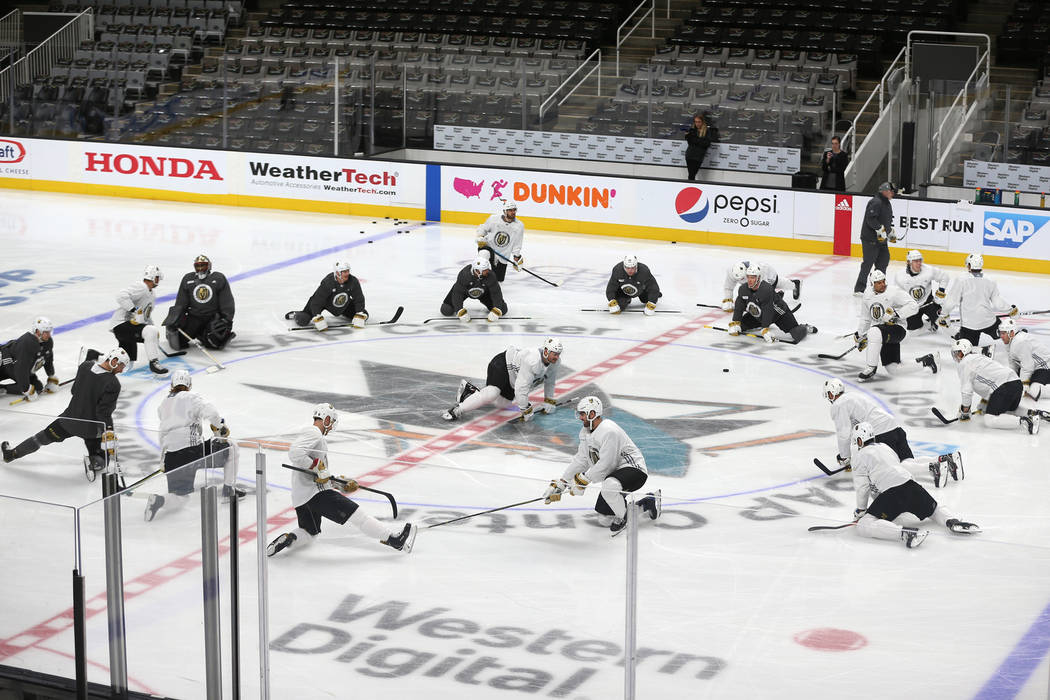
61 44
597 67
620 40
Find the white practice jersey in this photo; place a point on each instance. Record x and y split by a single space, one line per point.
309 450
769 274
874 305
602 452
1027 355
135 296
850 409
982 375
876 470
920 286
502 236
978 301
527 371
181 417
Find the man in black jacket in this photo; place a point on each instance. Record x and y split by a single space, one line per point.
203 308
22 357
88 416
758 306
875 230
340 295
475 281
631 279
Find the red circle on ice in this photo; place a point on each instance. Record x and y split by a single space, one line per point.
831 639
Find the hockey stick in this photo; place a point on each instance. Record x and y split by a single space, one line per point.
485 512
829 472
393 319
21 399
826 356
177 353
638 311
564 402
753 335
947 421
710 306
389 496
478 318
218 366
829 527
143 479
522 267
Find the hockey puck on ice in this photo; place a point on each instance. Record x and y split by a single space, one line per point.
725 369
370 241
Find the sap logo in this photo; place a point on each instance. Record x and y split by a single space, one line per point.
1011 230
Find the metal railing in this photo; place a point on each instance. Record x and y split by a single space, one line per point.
61 44
942 145
849 139
11 36
597 53
620 39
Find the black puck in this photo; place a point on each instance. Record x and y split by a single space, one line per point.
724 369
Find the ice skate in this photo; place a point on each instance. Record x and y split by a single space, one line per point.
283 541
404 540
962 527
913 536
154 503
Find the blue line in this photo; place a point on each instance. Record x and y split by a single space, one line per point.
433 207
1015 670
248 273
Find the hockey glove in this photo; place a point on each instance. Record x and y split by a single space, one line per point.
463 315
518 262
109 442
494 315
650 308
754 309
843 462
964 413
579 484
940 293
319 322
555 490
481 241
859 513
880 234
359 320
727 305
348 485
137 317
892 235
942 321
614 307
1014 310
549 406
52 385
528 413
323 475
31 394
221 429
768 336
890 318
860 340
734 328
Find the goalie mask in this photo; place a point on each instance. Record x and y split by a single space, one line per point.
202 266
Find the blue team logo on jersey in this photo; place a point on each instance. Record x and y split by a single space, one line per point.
1010 230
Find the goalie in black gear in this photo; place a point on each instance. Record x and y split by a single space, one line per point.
89 414
758 307
629 280
203 308
339 293
475 281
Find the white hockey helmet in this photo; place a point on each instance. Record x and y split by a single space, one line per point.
117 354
1007 325
630 261
876 275
480 264
914 255
153 274
754 269
961 348
553 345
833 388
739 271
863 432
340 266
509 205
326 411
181 377
974 261
41 324
588 404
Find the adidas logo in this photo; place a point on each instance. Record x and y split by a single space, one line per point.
843 206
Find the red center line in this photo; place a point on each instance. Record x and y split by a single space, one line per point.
145 583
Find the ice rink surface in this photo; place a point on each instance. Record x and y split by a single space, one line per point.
736 598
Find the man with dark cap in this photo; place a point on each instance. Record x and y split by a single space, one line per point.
875 231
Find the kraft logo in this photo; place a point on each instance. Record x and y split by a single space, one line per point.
11 151
692 205
1006 230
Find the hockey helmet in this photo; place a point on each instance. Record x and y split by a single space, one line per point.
630 261
975 261
480 264
153 274
181 377
863 433
740 271
509 205
833 388
588 404
876 275
202 266
340 266
961 348
117 354
552 345
914 255
754 269
41 325
328 415
1007 325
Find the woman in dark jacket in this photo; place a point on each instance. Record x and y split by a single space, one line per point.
833 164
699 138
